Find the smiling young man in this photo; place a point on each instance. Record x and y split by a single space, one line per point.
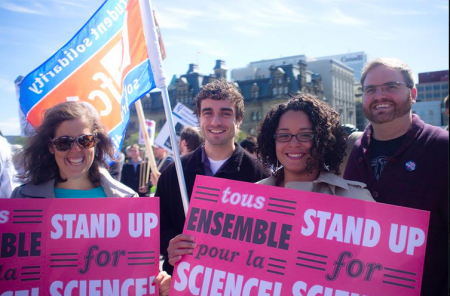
220 110
403 160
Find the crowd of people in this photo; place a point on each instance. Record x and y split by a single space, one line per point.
301 144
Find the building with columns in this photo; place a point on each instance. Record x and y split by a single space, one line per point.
337 80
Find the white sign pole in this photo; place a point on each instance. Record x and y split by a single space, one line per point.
154 54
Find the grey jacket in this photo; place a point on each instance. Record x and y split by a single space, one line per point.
328 183
111 187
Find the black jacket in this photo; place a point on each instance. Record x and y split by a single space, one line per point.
240 167
130 177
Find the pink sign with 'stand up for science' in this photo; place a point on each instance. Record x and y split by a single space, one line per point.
263 240
103 246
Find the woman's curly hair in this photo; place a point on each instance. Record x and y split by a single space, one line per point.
40 165
329 144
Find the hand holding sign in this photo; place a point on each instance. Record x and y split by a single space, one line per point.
180 245
163 280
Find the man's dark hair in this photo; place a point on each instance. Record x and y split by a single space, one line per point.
192 137
221 90
446 102
249 144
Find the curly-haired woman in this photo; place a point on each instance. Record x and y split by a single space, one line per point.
303 143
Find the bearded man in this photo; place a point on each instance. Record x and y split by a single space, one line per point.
403 160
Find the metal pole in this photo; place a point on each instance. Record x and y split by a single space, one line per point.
174 143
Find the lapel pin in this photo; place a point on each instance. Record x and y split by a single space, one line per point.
410 165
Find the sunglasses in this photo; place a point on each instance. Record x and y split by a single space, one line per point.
65 143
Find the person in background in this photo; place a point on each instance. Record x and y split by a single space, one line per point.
190 139
7 170
303 142
403 160
66 159
163 158
351 135
220 109
249 145
131 170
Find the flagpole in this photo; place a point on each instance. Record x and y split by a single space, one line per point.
154 54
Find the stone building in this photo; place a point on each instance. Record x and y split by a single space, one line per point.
260 93
337 80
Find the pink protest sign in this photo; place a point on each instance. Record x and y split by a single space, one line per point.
79 246
263 240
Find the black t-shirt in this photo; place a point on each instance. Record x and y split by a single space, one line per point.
380 151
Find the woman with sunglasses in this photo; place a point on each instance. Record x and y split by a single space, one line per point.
303 143
66 157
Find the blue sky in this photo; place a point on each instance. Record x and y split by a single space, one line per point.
237 31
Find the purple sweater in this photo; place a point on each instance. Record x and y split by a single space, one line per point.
425 188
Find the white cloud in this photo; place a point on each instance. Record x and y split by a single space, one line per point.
338 17
330 2
261 14
385 9
25 8
405 12
50 8
69 3
203 46
248 32
239 14
443 7
176 18
380 35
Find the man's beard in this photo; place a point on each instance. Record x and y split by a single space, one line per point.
399 111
